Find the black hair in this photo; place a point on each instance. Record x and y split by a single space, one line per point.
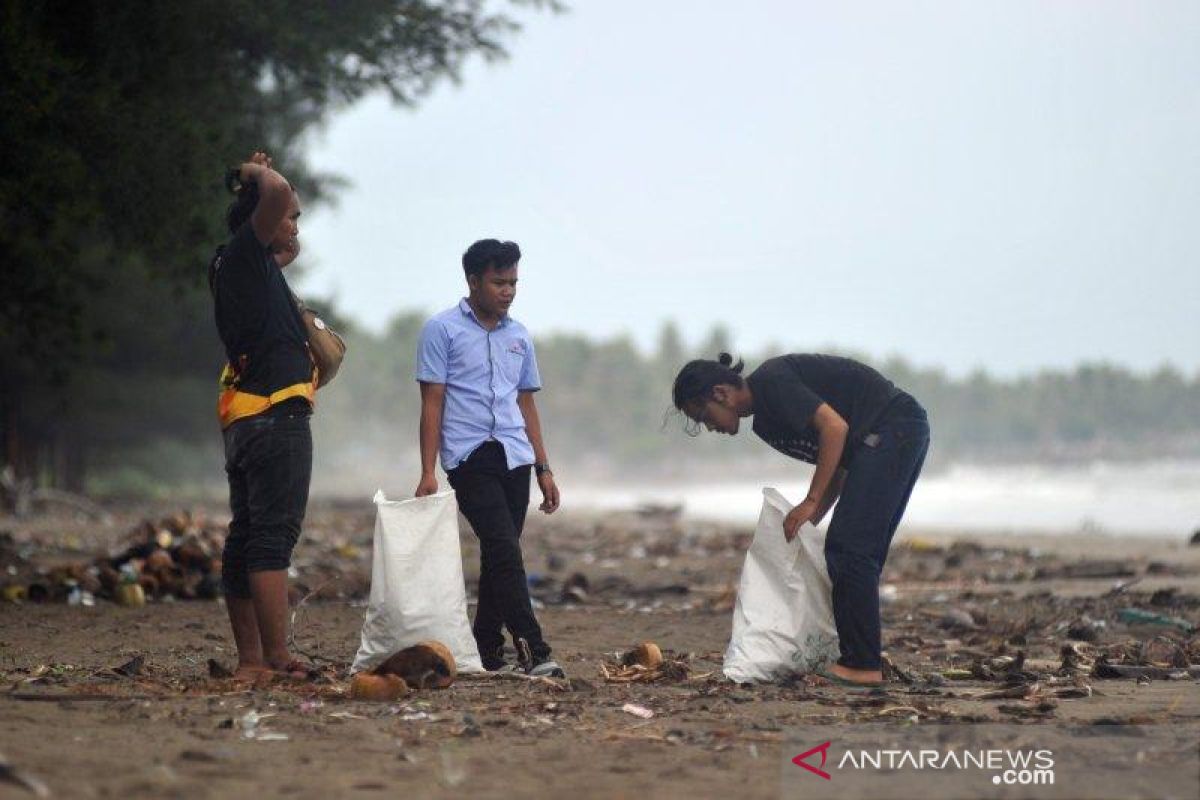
490 253
245 200
243 205
697 379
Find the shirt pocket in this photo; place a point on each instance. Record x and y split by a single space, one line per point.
510 365
510 360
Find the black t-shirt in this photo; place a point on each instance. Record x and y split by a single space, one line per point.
788 389
257 317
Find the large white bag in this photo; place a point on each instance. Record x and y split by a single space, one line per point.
783 623
417 590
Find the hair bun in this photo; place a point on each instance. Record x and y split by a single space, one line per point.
726 360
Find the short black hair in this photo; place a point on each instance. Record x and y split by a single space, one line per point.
490 253
240 210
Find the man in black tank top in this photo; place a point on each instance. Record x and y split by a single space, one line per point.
264 411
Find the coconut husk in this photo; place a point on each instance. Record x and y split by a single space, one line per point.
149 584
646 654
378 688
158 561
427 665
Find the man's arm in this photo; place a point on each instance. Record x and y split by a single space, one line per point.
433 399
533 428
830 497
832 431
274 196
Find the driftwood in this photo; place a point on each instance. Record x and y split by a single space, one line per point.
21 497
1106 670
74 697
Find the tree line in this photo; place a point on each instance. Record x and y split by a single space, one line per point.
606 409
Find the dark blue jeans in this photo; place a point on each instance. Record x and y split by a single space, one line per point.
268 459
494 500
880 480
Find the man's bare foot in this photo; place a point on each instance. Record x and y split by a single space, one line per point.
249 672
291 668
863 676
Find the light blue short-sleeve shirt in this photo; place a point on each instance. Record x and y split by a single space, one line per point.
483 372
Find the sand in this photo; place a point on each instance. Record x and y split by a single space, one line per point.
171 731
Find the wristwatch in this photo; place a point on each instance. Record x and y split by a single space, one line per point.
542 469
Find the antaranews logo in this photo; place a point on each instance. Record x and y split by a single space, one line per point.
1011 767
823 749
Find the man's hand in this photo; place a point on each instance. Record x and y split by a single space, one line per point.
254 166
798 516
427 486
549 492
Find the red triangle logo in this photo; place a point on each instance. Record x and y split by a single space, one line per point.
823 749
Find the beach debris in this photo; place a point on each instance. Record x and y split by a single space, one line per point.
9 773
647 663
1104 669
1087 570
575 589
957 619
251 727
1086 629
1137 616
427 665
378 688
1077 659
177 556
637 711
646 654
129 593
131 668
218 670
452 767
724 602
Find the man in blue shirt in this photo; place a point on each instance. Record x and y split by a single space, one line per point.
478 373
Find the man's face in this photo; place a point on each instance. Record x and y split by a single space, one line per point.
288 232
495 289
715 413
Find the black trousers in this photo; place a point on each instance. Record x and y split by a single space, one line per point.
879 483
494 500
268 459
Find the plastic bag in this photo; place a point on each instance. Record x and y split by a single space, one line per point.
417 590
783 622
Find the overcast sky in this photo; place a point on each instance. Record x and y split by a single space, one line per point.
1009 185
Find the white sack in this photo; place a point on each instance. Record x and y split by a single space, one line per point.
783 622
417 590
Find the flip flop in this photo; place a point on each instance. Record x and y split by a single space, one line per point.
838 680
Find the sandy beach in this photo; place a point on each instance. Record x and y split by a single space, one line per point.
110 701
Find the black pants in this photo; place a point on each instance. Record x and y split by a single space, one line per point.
494 500
268 459
880 480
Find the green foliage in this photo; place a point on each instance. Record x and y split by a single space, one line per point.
118 120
